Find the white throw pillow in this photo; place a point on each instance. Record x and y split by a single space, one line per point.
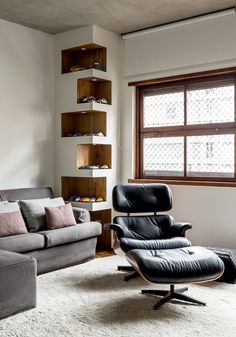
7 207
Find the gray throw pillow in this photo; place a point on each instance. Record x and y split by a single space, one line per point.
6 207
34 212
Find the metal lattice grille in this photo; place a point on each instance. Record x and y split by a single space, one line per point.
211 156
163 107
164 156
210 105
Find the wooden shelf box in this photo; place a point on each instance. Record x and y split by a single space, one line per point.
94 154
93 86
83 187
85 122
84 57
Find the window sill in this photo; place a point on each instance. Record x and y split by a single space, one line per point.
183 182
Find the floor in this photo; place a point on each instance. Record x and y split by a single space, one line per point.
104 253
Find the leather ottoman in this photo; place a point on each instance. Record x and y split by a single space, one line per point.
228 256
174 266
17 283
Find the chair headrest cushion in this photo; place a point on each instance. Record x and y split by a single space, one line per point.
141 198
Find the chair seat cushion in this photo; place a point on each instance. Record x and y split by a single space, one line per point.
22 242
127 244
183 265
69 234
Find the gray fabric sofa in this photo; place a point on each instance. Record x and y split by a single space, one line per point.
53 249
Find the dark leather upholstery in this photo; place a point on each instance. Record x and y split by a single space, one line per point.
128 244
190 264
150 231
141 198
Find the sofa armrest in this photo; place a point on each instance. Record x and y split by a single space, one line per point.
179 229
81 214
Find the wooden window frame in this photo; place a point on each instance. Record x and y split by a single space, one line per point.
183 130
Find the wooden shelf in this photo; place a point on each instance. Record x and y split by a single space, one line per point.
83 56
92 206
94 154
94 173
85 122
86 119
84 187
93 86
105 240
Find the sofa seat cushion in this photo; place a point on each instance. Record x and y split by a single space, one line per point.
69 234
22 243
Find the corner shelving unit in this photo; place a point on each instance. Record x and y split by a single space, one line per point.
86 125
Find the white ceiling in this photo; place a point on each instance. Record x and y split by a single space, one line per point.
120 16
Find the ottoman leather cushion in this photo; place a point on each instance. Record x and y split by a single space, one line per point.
128 244
183 265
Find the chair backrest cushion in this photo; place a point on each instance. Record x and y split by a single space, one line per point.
142 198
143 227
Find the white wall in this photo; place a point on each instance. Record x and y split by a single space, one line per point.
27 151
184 48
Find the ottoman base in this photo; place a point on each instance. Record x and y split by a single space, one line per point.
171 294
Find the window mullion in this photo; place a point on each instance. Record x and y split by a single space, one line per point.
185 138
235 132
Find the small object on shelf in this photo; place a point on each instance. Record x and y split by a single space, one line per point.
84 199
72 198
69 134
89 167
73 134
100 134
102 100
96 65
88 99
76 68
77 134
104 166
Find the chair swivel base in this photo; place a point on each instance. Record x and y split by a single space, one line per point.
171 294
128 269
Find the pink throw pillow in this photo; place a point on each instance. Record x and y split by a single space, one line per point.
58 217
12 223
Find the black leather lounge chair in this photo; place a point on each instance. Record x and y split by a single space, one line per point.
150 231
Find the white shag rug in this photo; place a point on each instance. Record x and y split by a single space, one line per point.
93 300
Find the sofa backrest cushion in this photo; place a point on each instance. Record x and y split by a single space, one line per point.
60 216
34 212
26 193
12 223
6 207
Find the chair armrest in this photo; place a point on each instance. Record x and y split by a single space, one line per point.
179 229
115 227
81 214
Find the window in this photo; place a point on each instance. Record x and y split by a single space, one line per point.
186 129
